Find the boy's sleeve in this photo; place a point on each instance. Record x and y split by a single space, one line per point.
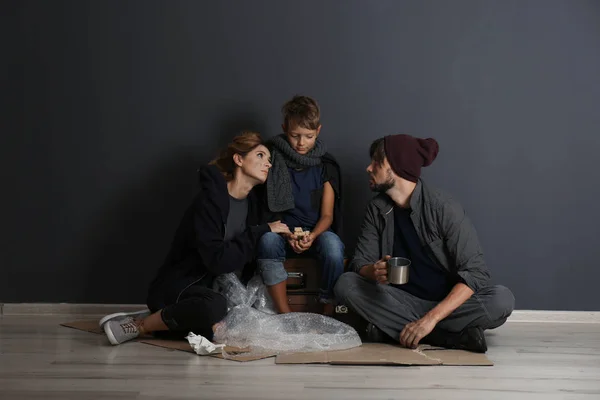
331 174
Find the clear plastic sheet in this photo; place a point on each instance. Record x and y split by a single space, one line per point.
263 300
254 295
252 322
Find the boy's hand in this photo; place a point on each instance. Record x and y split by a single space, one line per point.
293 242
306 241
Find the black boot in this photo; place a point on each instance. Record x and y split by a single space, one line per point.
471 339
373 334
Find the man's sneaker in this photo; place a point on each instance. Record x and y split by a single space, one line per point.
141 314
470 339
122 330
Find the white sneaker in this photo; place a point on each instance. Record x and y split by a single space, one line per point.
134 314
121 330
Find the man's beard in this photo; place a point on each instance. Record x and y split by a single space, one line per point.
382 187
385 186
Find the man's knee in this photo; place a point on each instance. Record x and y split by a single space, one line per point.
501 303
345 285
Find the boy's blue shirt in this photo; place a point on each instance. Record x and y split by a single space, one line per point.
307 189
331 173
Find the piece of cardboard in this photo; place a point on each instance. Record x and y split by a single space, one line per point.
387 354
87 325
367 354
234 353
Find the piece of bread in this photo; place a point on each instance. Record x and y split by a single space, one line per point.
300 233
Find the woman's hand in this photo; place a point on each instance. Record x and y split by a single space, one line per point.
279 227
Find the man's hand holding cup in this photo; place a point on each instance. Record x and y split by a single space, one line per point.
377 272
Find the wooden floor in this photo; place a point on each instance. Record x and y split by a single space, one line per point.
39 359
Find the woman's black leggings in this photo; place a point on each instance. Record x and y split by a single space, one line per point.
194 309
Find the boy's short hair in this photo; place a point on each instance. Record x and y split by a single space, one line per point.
302 111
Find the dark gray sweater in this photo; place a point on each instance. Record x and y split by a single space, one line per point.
442 226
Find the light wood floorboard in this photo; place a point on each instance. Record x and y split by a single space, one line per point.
39 359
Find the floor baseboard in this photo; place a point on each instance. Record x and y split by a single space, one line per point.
94 310
571 317
67 309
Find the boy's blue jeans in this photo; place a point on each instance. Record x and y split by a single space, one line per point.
327 248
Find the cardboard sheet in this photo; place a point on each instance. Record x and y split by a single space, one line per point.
387 354
236 354
367 354
85 325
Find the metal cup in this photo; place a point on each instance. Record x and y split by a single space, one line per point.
397 270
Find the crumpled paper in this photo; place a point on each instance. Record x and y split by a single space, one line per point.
202 345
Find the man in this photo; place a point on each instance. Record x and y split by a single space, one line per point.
448 300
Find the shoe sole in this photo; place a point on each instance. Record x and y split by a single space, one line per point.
111 337
107 318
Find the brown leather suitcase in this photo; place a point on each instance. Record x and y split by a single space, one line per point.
305 303
304 275
304 278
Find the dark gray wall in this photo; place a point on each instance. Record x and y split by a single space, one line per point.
109 107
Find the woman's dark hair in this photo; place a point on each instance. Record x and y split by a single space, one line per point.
242 144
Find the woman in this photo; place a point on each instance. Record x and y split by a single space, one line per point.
218 234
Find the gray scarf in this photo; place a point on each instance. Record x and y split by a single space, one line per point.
279 188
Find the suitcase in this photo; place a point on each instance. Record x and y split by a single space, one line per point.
304 276
305 303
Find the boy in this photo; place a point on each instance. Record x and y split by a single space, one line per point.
304 187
